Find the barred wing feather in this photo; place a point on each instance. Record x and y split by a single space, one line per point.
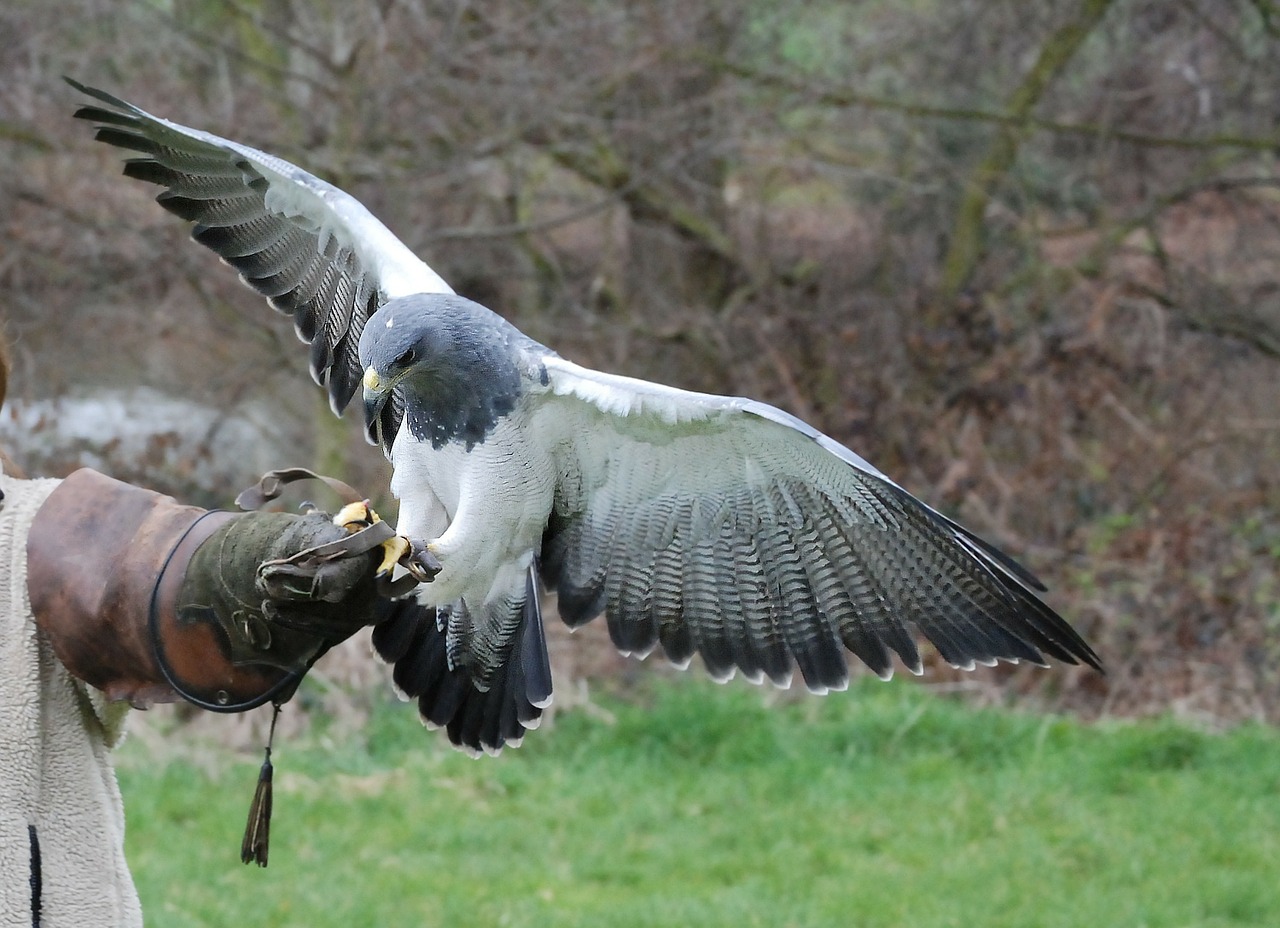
725 527
312 250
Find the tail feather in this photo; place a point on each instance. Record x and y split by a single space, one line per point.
476 720
535 662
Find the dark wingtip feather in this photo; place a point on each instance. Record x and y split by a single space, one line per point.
1061 641
215 238
186 207
1036 624
123 139
1004 561
97 94
145 169
343 383
110 117
212 183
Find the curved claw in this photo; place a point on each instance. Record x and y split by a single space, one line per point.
421 564
417 561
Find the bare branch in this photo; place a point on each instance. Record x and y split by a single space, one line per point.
966 243
511 230
839 97
604 168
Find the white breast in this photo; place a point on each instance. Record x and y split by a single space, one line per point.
483 510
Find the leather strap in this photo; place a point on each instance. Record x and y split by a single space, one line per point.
273 483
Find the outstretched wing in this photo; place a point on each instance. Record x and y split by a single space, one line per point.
312 250
729 528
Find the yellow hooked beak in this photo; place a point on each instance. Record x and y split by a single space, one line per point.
376 393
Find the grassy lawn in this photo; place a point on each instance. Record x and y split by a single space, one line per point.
703 805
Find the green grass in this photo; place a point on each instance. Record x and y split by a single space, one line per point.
702 805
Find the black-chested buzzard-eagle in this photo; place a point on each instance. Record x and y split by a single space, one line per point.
702 524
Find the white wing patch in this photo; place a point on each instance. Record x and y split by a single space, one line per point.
630 397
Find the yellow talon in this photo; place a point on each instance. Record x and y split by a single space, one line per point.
396 549
355 516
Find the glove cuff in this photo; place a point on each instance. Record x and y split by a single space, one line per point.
106 561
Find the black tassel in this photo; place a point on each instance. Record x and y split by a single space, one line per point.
257 831
37 876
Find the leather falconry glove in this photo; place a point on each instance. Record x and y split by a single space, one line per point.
148 599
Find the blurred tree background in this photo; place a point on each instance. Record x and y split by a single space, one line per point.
1025 257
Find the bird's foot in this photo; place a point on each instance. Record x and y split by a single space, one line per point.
421 564
414 558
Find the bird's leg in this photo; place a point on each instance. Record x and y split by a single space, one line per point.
394 550
416 559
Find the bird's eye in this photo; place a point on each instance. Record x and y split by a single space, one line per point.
406 358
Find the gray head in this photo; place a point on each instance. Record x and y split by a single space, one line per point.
455 364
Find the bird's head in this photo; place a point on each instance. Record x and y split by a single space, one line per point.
456 362
396 344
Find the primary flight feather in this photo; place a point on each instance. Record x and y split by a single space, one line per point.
701 524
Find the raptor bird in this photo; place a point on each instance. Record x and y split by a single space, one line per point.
703 524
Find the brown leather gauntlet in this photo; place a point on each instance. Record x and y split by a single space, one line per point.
149 600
